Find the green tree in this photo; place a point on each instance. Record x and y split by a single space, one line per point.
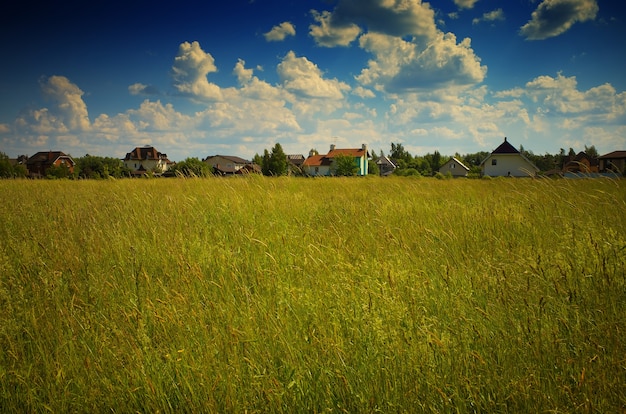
345 166
6 169
277 161
399 153
91 166
192 167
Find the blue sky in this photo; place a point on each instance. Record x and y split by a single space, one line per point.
196 78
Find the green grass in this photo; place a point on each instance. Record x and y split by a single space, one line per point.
311 295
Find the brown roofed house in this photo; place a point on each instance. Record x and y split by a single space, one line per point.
39 163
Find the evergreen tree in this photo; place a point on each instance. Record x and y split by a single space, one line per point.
277 161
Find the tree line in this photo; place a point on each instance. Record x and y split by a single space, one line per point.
274 162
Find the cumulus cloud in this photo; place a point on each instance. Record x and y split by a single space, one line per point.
554 17
560 95
402 66
70 109
491 16
303 78
280 32
396 18
190 70
465 4
329 34
141 89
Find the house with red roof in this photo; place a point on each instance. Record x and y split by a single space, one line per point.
507 161
324 165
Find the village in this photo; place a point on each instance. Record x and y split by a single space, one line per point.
504 161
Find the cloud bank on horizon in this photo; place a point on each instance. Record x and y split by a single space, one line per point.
363 71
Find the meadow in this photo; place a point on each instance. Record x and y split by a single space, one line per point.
313 295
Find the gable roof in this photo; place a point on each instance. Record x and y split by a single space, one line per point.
296 159
454 159
232 158
352 152
48 158
613 155
317 161
505 148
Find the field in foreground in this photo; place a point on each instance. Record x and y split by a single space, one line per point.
310 295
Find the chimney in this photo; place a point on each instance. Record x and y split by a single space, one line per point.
332 147
364 147
311 153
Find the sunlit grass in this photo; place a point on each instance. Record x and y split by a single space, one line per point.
287 295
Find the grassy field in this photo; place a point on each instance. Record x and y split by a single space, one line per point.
313 295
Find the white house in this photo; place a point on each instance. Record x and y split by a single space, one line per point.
455 167
506 161
146 159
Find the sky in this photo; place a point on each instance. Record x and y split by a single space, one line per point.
195 79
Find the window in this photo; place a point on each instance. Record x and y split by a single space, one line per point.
494 162
453 165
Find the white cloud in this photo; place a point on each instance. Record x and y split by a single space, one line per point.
554 17
280 32
465 4
491 16
190 70
559 96
402 66
141 89
70 109
331 35
303 78
395 18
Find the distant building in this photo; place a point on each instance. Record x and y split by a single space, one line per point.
613 162
455 167
386 166
507 161
580 163
38 164
323 165
226 164
143 160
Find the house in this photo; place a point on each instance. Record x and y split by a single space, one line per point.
386 166
142 160
38 164
324 165
580 163
455 167
613 162
507 161
295 162
225 164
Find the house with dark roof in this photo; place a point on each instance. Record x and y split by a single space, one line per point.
295 162
386 166
455 167
324 165
143 160
226 164
507 161
38 164
613 162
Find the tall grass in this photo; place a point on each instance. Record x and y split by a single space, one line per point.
310 295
